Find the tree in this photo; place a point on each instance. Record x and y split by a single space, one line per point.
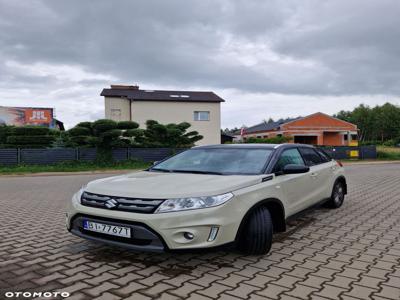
107 134
378 124
170 135
364 118
102 134
387 121
269 121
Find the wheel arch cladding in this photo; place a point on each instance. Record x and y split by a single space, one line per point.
276 210
342 180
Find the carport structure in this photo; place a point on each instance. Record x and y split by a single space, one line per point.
315 129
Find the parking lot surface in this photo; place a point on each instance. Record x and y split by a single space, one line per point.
349 253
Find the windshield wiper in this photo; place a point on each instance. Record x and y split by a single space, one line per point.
161 170
197 172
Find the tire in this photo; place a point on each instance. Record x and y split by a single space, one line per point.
256 236
337 196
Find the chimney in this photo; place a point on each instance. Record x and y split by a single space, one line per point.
124 87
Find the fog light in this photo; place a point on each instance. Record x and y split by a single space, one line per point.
213 233
188 235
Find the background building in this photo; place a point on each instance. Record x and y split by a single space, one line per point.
201 109
21 116
315 129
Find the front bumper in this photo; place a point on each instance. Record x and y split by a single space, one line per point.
158 232
143 239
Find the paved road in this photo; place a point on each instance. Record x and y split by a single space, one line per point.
350 253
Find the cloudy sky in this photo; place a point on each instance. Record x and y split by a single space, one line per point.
266 58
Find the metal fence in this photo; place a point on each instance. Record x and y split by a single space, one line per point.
52 156
352 152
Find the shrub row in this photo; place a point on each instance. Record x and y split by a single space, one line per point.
29 131
32 140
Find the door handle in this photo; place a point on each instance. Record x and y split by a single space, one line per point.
314 174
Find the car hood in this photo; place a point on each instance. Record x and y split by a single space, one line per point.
157 185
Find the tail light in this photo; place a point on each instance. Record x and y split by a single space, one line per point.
339 163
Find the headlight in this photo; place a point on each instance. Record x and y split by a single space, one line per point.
79 193
193 203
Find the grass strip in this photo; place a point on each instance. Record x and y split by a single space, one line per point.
75 166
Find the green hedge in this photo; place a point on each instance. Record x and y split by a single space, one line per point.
79 131
127 125
4 132
17 140
29 131
273 140
84 124
79 139
104 125
27 146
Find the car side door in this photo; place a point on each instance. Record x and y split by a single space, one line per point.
330 167
295 187
319 172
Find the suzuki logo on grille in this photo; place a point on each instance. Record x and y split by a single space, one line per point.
111 204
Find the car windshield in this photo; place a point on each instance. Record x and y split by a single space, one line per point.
219 161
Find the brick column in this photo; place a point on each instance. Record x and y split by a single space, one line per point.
320 138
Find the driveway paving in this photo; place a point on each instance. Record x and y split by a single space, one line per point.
349 253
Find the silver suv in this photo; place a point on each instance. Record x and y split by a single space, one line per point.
208 196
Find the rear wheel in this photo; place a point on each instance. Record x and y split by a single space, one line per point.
256 237
337 196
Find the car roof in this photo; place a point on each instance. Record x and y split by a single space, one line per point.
252 145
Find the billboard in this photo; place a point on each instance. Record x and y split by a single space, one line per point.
20 116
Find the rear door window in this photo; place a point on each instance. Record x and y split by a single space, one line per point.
311 156
324 156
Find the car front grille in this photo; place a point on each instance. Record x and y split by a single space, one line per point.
136 205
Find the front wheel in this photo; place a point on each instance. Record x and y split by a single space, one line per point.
256 237
337 196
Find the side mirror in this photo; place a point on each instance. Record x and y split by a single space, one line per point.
295 169
155 162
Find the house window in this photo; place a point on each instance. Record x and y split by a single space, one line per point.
202 116
115 112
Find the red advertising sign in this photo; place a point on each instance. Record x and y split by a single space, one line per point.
38 116
20 116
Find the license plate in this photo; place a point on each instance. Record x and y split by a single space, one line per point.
107 229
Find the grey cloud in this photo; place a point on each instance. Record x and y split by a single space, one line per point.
308 47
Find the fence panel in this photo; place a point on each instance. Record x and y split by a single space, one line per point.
179 150
340 152
343 152
47 156
51 156
150 154
8 157
120 154
368 152
87 154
